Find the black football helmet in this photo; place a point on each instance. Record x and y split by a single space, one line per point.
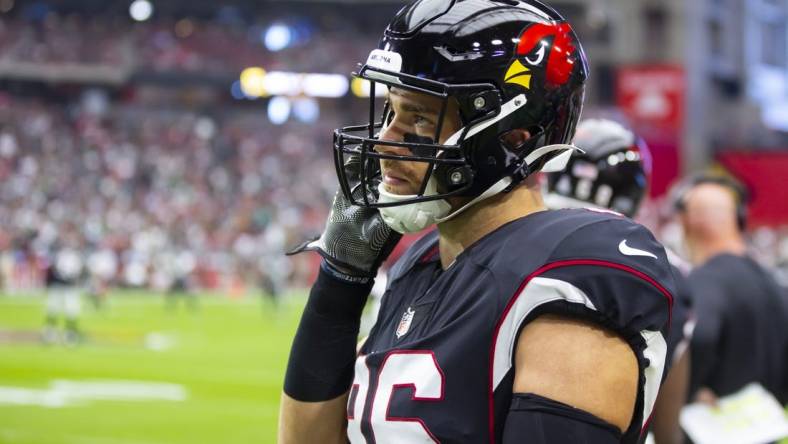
509 64
612 171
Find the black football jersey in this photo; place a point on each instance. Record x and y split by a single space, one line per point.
438 364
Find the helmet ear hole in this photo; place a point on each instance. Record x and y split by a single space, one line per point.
515 138
519 138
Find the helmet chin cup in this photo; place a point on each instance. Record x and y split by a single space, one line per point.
413 217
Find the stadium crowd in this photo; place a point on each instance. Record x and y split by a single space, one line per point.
224 192
167 45
148 194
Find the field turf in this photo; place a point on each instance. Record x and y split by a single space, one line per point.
226 358
226 361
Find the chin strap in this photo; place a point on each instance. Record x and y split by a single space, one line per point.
557 163
412 218
496 188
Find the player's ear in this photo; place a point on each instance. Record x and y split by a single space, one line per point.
515 137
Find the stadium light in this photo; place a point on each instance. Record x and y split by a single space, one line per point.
306 110
325 85
278 37
279 83
253 82
236 91
360 88
141 10
279 110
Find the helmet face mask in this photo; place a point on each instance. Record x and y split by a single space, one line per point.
500 65
447 159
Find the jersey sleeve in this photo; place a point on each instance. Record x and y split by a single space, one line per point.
614 273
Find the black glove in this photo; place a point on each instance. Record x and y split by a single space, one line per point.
355 240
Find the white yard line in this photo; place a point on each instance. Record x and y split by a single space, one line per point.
65 393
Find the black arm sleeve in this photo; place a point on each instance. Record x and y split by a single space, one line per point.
533 419
324 349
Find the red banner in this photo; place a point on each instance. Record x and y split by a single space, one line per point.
764 175
652 98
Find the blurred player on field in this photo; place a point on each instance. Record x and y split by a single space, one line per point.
64 276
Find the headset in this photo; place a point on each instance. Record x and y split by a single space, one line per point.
740 192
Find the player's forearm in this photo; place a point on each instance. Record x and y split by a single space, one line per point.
320 369
312 422
672 397
324 349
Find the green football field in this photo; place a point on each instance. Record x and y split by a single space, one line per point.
145 374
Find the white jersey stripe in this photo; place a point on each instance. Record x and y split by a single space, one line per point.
656 351
540 291
537 292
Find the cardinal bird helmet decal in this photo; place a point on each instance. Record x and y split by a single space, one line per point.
465 55
547 46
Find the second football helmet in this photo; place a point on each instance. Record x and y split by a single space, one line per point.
612 172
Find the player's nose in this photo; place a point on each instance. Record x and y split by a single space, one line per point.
391 134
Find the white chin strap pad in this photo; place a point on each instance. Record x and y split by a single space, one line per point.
413 217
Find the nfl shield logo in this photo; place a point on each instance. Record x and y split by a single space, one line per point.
404 323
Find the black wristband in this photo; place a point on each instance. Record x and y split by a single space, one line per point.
331 269
324 349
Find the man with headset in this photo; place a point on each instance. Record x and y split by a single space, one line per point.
742 328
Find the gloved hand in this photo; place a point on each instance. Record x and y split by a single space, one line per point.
355 240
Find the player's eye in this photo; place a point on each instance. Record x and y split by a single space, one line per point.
421 121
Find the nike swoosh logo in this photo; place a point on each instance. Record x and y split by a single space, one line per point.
629 251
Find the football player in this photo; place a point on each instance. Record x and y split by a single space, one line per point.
613 172
509 323
64 276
